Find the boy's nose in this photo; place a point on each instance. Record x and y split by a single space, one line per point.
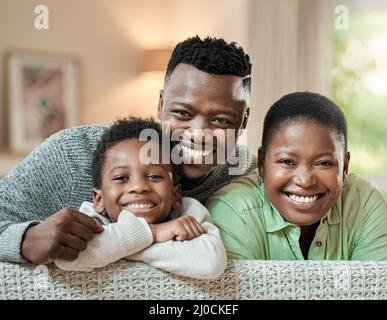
138 186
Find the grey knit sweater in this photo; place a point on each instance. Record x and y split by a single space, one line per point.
58 174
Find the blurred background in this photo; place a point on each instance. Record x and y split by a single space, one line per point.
120 49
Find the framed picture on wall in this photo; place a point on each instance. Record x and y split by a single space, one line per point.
42 97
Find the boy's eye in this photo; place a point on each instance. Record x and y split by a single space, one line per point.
121 178
155 177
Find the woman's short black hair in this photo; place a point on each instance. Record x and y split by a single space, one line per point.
304 105
120 130
212 55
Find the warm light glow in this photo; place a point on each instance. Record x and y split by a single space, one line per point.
376 79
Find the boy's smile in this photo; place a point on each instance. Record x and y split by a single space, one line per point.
303 170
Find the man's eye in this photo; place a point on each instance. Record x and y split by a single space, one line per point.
221 122
287 162
182 113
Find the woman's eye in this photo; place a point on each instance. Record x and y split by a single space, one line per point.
121 179
325 164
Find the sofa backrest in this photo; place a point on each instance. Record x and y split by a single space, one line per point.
242 280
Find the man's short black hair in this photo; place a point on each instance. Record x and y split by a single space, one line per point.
212 55
304 105
120 130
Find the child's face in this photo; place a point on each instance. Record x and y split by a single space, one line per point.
147 189
303 170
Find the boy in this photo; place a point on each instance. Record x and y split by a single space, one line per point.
139 203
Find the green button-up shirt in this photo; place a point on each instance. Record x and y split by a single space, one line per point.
251 227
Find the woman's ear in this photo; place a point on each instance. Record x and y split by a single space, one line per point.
176 197
347 158
261 162
98 203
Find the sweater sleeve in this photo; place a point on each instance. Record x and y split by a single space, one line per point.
118 240
202 257
32 191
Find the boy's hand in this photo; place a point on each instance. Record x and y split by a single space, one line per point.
182 228
61 236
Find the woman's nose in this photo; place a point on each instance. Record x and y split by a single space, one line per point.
304 178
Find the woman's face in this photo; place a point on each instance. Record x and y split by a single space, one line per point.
303 170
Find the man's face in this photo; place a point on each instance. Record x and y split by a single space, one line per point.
193 101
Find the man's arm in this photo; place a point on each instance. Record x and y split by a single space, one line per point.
39 187
35 189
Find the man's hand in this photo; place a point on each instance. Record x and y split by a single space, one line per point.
61 236
182 228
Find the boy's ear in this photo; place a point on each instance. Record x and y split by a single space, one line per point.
261 161
160 105
98 204
176 197
347 158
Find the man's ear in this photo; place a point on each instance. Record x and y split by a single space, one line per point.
176 197
261 162
160 105
245 118
347 158
98 203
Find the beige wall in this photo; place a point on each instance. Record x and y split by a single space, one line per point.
94 32
107 38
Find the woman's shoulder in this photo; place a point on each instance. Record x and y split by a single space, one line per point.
359 194
244 191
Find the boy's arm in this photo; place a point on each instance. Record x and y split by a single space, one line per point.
202 257
118 240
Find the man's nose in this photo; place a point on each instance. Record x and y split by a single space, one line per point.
199 132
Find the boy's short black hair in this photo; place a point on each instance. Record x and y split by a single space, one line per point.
124 129
304 105
212 55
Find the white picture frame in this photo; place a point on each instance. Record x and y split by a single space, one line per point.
42 97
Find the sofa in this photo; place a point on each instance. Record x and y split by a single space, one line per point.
242 280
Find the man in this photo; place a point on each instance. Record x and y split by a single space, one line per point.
207 86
